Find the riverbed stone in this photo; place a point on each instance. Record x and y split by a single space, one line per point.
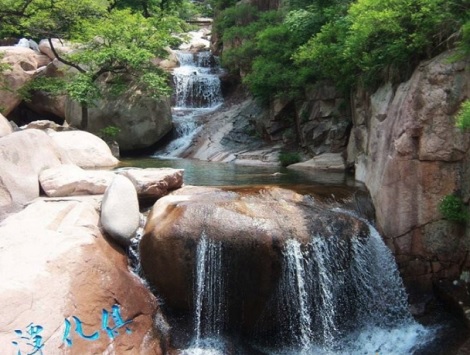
57 265
154 182
71 180
120 216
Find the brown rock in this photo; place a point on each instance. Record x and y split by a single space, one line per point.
154 183
249 229
56 265
413 156
23 64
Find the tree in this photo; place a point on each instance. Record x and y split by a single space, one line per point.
116 45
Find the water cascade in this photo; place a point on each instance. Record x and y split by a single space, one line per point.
345 296
197 91
209 299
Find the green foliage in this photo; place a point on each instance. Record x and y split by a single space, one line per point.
462 119
53 86
109 133
380 40
288 158
453 209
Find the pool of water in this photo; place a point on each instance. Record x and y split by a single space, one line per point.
448 331
203 173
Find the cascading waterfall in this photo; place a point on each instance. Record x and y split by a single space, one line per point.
345 296
209 299
196 82
197 91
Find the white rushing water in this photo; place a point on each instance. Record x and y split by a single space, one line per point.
348 298
197 92
209 299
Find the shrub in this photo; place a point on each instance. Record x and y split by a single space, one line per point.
453 209
462 119
109 133
288 158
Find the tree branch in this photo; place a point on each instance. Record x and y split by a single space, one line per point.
62 60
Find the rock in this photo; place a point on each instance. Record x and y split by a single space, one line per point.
154 182
70 180
142 120
248 229
62 47
120 216
24 155
324 162
85 149
23 64
410 155
5 126
46 104
43 125
56 265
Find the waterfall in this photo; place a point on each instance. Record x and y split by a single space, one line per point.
345 295
297 280
196 82
208 299
197 91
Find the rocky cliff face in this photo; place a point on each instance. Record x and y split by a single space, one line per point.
406 149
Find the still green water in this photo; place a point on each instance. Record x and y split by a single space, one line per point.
203 173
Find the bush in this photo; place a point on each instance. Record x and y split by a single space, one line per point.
109 133
462 119
288 158
453 209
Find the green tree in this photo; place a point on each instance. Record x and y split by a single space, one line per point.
116 45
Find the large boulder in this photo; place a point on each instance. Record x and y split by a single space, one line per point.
85 149
142 120
410 155
244 234
56 268
23 66
71 180
120 216
5 126
24 155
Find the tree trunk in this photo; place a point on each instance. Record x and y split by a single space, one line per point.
84 121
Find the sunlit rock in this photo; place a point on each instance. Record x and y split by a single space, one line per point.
71 180
85 149
57 265
120 215
154 182
24 155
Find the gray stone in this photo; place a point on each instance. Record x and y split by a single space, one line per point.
120 216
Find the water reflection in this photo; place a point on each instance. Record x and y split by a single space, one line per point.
203 173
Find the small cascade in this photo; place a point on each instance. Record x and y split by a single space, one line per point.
197 84
209 299
197 91
345 296
297 280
